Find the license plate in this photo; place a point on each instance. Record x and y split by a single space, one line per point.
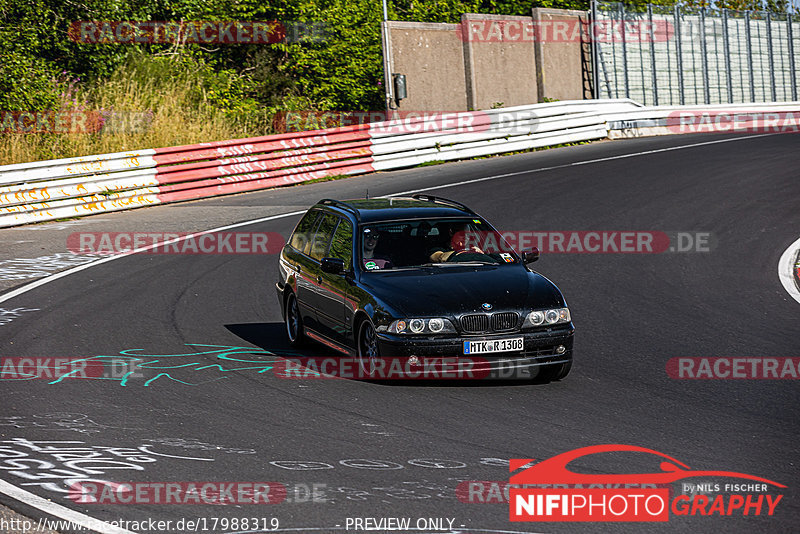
494 345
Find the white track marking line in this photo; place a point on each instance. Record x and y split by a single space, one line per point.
77 518
576 163
56 276
31 499
786 270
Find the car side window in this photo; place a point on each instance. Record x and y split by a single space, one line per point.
319 246
302 235
342 244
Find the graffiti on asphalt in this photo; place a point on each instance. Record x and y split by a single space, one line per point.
208 363
196 444
24 268
61 466
75 422
8 315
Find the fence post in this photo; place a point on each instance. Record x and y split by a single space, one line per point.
727 51
792 67
652 54
679 51
704 54
624 50
750 56
771 58
594 45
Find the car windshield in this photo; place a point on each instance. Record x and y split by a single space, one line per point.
441 242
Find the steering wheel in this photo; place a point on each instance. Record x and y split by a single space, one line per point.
461 251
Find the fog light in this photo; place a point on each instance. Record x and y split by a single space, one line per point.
413 360
561 349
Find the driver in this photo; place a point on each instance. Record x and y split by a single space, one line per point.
458 237
373 261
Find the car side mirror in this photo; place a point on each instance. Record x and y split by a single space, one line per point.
332 265
530 257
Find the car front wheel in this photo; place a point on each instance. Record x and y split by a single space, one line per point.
294 323
368 353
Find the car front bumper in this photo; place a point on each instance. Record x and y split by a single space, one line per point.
446 354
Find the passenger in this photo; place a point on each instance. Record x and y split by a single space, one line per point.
371 260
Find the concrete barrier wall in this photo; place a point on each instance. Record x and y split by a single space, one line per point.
559 53
432 58
499 72
489 60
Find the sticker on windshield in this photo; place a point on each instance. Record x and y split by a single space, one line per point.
371 265
508 258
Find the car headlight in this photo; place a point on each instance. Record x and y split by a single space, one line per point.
548 317
435 325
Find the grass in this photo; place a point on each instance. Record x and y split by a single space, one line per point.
431 163
168 102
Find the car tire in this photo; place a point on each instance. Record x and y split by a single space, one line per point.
549 373
367 351
294 322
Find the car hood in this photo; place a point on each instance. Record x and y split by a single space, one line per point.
453 290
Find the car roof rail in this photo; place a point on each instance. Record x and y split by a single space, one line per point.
440 200
339 204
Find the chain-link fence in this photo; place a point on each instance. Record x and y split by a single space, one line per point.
660 55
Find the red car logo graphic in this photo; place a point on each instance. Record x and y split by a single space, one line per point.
554 470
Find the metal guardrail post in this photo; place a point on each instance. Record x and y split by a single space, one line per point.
771 58
624 50
792 59
652 54
704 57
750 56
679 51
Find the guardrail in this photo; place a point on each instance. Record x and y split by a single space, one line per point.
780 117
47 190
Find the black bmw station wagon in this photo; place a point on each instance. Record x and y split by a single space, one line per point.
421 279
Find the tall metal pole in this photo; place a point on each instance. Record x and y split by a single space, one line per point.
727 53
652 55
771 58
704 57
792 59
679 50
624 50
386 43
750 56
595 60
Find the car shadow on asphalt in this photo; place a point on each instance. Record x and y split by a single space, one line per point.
271 337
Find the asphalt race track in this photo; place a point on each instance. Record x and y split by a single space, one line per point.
348 449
